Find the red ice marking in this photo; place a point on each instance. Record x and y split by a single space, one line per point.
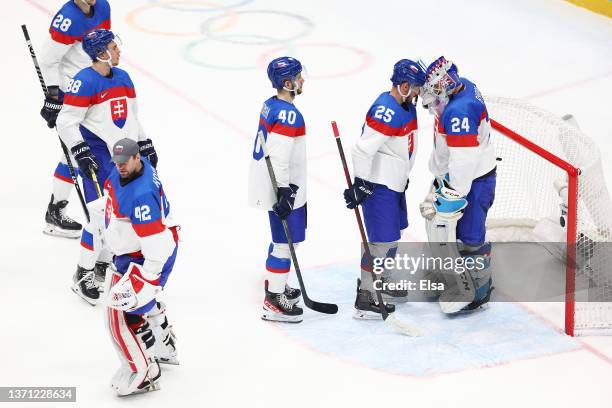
366 59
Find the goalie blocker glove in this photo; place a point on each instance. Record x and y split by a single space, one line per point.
359 191
85 159
51 106
285 199
148 150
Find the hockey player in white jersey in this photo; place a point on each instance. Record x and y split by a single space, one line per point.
61 59
283 129
139 230
382 160
463 162
100 108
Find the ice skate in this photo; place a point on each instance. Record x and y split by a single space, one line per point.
278 308
58 223
85 285
367 307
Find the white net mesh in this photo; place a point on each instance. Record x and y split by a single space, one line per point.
528 205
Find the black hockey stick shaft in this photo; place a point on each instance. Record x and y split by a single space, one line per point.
328 308
64 148
364 238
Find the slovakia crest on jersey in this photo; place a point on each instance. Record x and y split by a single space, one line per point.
119 111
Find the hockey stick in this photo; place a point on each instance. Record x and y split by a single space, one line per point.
64 148
328 308
397 324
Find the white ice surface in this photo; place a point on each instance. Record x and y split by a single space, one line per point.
203 121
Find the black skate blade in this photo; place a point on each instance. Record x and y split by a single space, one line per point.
91 302
327 308
54 231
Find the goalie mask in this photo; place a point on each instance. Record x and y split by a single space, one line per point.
442 78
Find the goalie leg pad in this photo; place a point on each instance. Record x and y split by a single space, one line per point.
134 341
165 340
481 273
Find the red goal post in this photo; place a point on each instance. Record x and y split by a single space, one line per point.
537 151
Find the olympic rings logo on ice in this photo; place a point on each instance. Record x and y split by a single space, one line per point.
215 7
226 34
132 17
306 28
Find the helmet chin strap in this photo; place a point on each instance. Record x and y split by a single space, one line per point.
108 61
294 90
404 97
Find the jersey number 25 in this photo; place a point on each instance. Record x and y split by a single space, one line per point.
384 113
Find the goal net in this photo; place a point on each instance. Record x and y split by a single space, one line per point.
551 187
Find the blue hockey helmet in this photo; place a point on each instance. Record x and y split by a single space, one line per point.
409 71
96 42
282 69
442 77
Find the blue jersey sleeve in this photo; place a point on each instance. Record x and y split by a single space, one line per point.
146 215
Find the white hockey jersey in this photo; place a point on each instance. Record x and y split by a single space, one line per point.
63 56
386 151
104 106
461 140
284 131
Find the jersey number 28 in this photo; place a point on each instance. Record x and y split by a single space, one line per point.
61 23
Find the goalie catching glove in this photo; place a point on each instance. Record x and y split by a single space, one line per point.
443 202
135 289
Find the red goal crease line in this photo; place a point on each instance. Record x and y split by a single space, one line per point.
572 215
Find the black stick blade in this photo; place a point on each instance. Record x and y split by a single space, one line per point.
327 308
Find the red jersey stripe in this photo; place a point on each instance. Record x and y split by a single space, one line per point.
462 140
70 39
390 130
290 131
110 93
151 228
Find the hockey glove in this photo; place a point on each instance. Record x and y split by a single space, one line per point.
359 191
443 202
135 289
85 159
51 106
285 199
147 150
